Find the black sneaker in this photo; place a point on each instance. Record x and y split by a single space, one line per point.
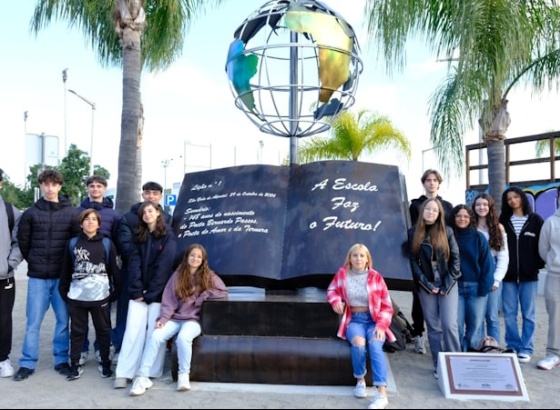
63 369
22 374
75 372
105 369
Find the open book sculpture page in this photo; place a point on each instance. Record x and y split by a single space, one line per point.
291 226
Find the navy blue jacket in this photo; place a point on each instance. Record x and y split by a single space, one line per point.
150 266
127 228
477 263
110 218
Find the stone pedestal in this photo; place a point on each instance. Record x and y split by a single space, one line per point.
255 337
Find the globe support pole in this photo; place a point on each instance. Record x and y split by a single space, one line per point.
293 98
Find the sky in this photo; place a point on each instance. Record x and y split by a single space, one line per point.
190 109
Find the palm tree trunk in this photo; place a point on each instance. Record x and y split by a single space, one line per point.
496 171
495 127
130 26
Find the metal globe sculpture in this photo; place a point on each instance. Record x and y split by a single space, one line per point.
292 65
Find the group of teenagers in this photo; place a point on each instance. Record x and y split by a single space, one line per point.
83 260
469 265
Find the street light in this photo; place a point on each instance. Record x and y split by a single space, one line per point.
64 78
165 164
92 105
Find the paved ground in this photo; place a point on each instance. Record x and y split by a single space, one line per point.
411 382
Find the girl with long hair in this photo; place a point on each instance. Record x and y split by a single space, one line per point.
520 284
435 263
487 222
360 295
190 285
150 266
477 276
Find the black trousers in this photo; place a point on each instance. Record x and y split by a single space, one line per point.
79 327
7 299
417 315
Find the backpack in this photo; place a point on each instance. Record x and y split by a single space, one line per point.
106 243
489 345
401 328
11 216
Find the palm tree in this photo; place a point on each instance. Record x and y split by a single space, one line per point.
543 146
353 135
118 32
498 44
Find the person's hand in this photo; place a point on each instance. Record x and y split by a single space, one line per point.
379 334
339 308
159 325
435 291
494 288
140 299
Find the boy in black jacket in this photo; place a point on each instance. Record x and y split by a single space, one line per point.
44 230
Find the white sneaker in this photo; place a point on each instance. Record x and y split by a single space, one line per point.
83 358
6 369
140 385
523 358
548 363
183 382
420 344
360 390
379 402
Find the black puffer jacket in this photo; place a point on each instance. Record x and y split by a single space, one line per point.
44 230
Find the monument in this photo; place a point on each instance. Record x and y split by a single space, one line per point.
277 234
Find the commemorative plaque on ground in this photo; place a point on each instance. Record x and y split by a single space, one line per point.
490 376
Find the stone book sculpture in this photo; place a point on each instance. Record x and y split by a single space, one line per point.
286 227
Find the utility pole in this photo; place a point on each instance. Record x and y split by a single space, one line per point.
92 105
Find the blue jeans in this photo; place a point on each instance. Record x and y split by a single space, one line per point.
470 314
522 294
40 294
362 325
493 314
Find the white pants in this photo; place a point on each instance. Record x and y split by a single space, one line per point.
140 323
188 331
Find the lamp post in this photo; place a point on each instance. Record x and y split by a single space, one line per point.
165 164
92 105
64 78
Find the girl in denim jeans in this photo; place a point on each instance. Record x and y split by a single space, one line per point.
360 295
520 285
